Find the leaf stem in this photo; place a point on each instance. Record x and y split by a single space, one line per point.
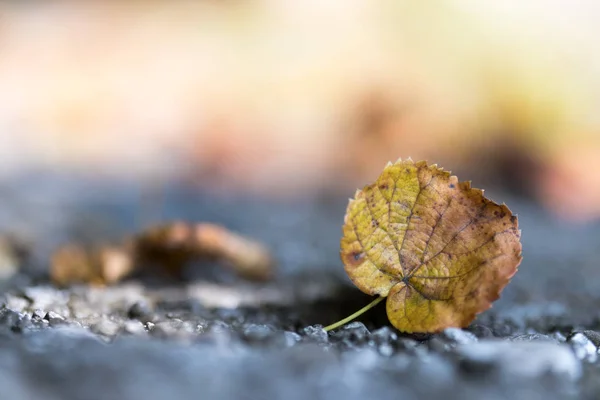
353 316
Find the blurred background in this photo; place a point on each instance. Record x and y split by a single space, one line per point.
292 99
264 116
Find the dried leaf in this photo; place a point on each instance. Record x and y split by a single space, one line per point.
249 258
175 244
438 249
169 246
98 266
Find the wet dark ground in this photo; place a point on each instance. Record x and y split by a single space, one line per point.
215 336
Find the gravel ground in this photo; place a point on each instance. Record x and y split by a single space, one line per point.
216 336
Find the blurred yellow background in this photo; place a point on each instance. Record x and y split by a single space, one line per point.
284 96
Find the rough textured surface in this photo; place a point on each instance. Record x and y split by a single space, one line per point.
218 337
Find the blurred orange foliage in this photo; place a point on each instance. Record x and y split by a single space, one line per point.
261 91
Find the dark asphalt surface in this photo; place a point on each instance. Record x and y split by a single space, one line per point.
215 336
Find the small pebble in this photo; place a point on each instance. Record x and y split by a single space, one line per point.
583 347
558 336
384 340
291 338
218 327
141 311
52 315
458 336
201 325
105 327
16 303
407 345
352 335
220 334
81 309
593 336
481 331
438 345
24 324
134 327
355 332
257 332
230 315
10 319
385 349
384 335
188 327
44 297
167 328
316 333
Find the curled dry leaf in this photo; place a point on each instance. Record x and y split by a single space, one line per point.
435 247
175 244
171 246
98 266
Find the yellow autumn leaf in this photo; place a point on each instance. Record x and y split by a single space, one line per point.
436 248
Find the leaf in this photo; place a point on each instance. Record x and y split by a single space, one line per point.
98 266
438 249
175 244
170 246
